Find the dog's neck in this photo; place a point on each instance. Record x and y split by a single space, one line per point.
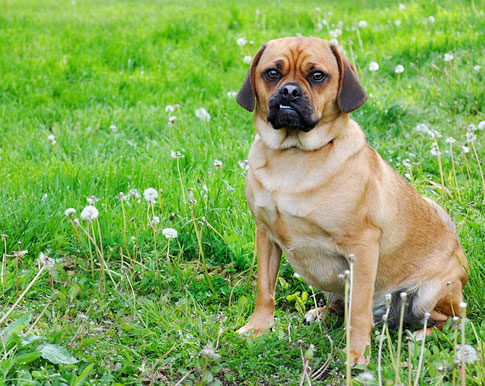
317 138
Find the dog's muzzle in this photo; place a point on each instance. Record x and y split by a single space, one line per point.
290 109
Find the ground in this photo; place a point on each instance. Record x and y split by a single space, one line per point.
85 90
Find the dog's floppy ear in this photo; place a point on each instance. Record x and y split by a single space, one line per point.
351 95
245 96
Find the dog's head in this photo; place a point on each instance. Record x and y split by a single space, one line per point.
298 86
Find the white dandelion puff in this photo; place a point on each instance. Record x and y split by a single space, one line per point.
373 66
465 149
155 221
92 200
122 196
422 127
244 165
399 69
70 211
46 261
134 193
209 352
170 233
448 57
334 42
365 378
434 134
176 154
476 68
52 139
471 128
470 137
150 195
242 41
402 7
397 22
202 114
172 119
435 150
231 94
431 19
217 164
89 213
481 125
450 140
467 354
406 162
169 109
113 128
247 59
363 24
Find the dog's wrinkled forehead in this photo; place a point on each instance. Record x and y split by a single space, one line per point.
298 55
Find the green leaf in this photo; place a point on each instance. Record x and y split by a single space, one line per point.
56 354
73 291
82 377
27 358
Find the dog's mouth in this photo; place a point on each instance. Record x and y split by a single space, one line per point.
290 115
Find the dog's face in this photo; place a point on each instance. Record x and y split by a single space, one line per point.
298 86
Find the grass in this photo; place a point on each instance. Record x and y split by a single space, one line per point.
76 69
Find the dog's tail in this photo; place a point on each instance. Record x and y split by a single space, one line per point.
442 214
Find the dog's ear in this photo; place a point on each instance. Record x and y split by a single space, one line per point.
351 95
245 96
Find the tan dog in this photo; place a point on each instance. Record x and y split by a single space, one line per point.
319 192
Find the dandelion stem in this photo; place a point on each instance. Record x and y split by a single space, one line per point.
22 295
381 340
479 167
180 179
454 173
441 170
124 231
462 326
421 355
201 251
348 372
399 336
78 236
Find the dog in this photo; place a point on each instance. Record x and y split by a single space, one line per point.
319 193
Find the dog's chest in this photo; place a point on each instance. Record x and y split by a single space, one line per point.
303 233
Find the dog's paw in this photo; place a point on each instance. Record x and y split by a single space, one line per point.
358 359
419 335
256 326
314 315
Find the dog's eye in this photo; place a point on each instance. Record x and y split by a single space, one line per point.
318 76
272 74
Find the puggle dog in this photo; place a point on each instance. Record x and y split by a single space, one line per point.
319 193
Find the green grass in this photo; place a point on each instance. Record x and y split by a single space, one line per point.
73 69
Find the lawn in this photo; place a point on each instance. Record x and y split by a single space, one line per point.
110 98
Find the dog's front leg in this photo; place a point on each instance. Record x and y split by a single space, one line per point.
366 252
269 258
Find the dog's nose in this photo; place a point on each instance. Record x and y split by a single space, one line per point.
290 92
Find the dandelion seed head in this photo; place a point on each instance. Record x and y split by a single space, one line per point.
176 154
402 7
448 57
426 315
169 109
363 24
241 41
450 140
89 213
352 258
170 233
76 221
465 149
434 134
217 164
231 94
388 297
467 354
172 119
46 261
431 19
481 125
435 150
155 220
244 165
470 137
113 128
52 139
476 68
373 66
247 59
202 114
92 200
406 162
463 306
150 195
399 69
134 193
365 377
70 211
397 22
422 127
334 42
403 295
